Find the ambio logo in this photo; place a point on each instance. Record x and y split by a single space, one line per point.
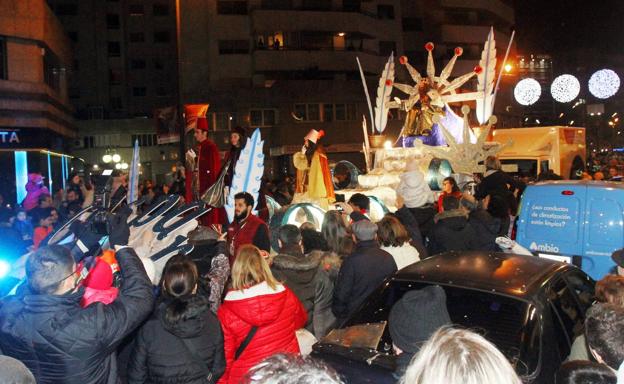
544 247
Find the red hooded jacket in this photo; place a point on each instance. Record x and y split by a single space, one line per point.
277 314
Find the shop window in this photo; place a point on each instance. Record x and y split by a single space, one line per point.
229 47
161 37
225 7
160 10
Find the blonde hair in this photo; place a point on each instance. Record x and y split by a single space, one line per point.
492 162
250 269
457 356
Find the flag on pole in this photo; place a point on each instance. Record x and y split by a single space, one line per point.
133 183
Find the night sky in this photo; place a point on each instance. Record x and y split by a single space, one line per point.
560 27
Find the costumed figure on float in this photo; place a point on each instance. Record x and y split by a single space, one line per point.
204 162
314 182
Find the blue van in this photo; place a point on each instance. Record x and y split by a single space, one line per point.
575 221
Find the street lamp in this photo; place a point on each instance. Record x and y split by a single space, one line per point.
508 68
116 158
107 158
124 165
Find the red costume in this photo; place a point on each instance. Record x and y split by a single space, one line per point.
207 167
252 230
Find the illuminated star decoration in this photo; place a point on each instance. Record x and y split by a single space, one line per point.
604 83
465 157
565 88
527 91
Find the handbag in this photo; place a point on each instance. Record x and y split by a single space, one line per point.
215 195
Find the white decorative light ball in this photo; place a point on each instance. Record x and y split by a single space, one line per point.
527 91
565 88
116 158
604 83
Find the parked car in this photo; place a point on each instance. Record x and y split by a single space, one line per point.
530 308
578 221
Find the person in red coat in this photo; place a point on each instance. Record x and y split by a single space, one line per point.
258 300
449 188
207 164
246 228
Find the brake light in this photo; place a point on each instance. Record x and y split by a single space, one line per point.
567 193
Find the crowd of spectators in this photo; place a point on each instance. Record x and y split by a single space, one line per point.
237 310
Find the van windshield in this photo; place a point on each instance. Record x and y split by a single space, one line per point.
509 323
520 167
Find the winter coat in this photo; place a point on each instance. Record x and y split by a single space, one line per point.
424 217
410 223
487 229
495 182
304 275
452 232
360 274
457 194
414 189
160 354
60 342
276 312
403 255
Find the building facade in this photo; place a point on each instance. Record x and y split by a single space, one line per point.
124 68
36 118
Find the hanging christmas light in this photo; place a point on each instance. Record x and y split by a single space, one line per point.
527 91
565 88
604 83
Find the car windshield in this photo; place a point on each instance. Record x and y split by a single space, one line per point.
509 323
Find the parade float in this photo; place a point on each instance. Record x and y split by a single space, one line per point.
436 133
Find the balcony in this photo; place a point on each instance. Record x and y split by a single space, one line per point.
323 60
471 34
321 21
496 7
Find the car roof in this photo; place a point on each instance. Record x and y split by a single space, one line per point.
578 183
510 274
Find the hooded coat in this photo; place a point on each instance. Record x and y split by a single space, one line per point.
161 354
310 282
60 342
276 312
487 229
414 189
452 232
33 191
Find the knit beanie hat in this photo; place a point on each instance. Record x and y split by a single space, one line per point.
100 276
417 316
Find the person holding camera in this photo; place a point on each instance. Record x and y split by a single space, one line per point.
45 327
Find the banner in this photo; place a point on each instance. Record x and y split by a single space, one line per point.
167 125
191 113
133 185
